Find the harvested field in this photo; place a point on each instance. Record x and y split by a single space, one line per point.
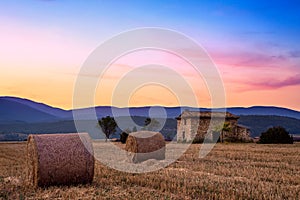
230 171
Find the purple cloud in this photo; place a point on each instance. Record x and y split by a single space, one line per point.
268 84
275 84
253 59
294 54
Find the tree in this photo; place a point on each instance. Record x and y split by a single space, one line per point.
108 126
151 124
276 135
147 121
221 128
226 128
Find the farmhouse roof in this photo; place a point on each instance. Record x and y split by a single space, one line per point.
206 114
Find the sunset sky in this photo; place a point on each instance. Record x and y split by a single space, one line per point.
254 44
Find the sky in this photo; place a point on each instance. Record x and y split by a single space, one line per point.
254 45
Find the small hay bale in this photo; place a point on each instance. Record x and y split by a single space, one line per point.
59 159
144 145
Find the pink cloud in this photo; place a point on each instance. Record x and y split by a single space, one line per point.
250 59
276 84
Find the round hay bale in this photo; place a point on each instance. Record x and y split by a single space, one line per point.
59 159
144 145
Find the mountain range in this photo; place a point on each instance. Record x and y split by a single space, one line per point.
14 109
26 116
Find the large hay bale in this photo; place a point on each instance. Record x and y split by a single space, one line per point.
144 145
59 159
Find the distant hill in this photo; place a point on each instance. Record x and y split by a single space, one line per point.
19 115
265 110
22 110
18 109
260 123
58 112
20 130
256 123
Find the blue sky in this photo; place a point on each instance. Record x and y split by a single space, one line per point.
257 39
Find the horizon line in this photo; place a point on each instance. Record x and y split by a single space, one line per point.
154 105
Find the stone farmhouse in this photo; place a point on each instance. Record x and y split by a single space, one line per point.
194 125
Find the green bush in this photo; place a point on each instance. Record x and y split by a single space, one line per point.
197 140
276 135
123 137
